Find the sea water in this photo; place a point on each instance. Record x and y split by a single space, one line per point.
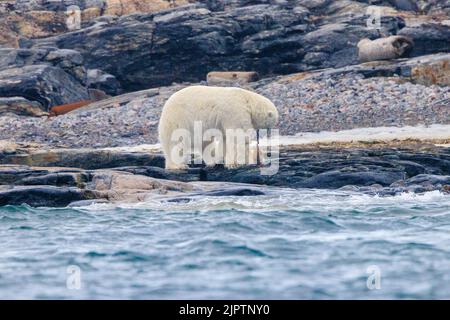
288 244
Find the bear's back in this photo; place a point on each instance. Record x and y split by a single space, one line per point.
199 98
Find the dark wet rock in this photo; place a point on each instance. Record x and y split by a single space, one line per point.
428 179
70 61
434 165
97 79
428 38
54 176
84 203
337 179
55 187
192 174
240 192
45 84
47 196
333 168
225 192
298 167
59 179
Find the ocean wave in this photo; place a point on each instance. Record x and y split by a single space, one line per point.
292 200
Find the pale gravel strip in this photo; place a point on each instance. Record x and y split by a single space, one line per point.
385 134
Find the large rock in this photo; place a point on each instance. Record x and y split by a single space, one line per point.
336 179
97 79
45 84
120 186
47 196
185 43
58 187
428 38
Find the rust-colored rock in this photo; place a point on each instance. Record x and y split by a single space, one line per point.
65 108
437 72
230 77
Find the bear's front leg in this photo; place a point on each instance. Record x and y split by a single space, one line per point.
176 159
236 154
238 135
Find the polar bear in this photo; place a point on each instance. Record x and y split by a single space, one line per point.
216 108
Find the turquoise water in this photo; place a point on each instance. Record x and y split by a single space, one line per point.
290 244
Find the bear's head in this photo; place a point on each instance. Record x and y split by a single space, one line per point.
264 113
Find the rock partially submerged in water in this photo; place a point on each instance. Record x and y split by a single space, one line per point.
58 187
42 196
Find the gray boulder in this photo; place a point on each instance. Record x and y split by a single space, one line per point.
45 84
428 38
185 43
42 195
97 79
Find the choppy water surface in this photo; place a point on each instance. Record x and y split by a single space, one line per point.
291 244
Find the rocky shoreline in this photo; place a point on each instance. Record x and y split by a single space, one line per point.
45 178
331 100
122 65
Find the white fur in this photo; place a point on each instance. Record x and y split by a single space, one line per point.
218 108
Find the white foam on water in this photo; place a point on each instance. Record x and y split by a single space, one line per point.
292 200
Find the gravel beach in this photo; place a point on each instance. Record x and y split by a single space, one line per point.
312 105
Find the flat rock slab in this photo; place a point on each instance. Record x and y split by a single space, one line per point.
82 158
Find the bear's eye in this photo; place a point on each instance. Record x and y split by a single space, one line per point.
270 114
